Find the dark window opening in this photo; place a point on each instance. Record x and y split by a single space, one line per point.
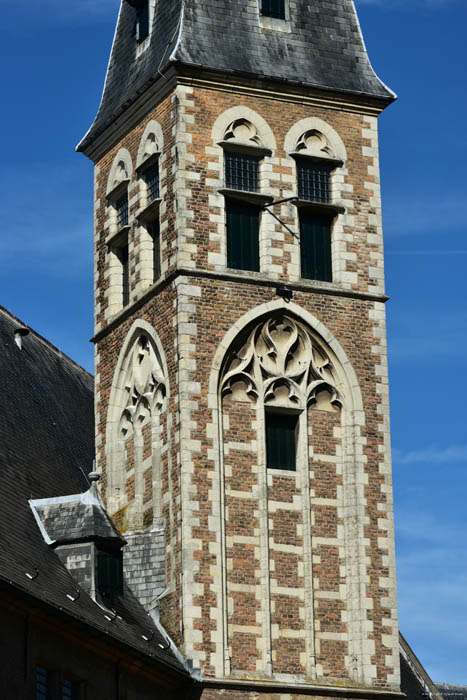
152 182
314 182
43 688
273 8
110 573
315 246
71 690
123 255
241 171
121 207
281 440
242 236
142 19
154 233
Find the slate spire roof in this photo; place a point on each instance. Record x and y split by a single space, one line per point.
322 47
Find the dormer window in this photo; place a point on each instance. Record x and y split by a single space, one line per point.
142 21
110 573
273 8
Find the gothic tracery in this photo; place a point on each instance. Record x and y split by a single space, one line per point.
280 363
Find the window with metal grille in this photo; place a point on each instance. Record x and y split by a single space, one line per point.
273 8
314 181
241 171
281 440
43 685
121 208
142 22
242 236
71 690
152 182
110 573
315 246
154 233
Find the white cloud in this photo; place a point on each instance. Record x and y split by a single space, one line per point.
432 455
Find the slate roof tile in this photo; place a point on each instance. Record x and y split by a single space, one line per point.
323 49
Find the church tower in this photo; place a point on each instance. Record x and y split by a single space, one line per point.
242 414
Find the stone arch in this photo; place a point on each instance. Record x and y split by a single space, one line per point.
138 398
151 142
312 125
122 169
236 115
335 377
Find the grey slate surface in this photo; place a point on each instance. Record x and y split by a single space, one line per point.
324 49
144 564
77 519
46 437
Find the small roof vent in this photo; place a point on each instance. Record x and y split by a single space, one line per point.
20 333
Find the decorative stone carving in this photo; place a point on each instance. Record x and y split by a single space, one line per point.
314 143
243 131
121 174
150 147
282 365
144 386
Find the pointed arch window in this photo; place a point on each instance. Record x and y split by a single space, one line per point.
315 165
243 155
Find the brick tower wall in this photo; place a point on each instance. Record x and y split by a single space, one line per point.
266 573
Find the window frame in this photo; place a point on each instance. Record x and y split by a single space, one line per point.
322 210
276 415
281 15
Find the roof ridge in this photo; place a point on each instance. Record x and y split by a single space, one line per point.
46 342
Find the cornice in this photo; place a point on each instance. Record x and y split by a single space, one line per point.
241 84
249 278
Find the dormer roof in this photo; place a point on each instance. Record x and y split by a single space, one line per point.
320 46
77 518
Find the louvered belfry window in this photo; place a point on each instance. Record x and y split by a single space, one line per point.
314 181
281 441
315 246
241 171
242 235
273 8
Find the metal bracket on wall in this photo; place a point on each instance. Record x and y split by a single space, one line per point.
282 201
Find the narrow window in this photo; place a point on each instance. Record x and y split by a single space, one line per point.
242 236
241 171
281 440
315 246
152 183
273 8
43 684
154 233
121 208
122 252
110 573
142 22
314 181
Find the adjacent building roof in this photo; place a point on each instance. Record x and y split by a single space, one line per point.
321 46
452 692
47 448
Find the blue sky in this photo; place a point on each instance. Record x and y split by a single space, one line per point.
54 55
